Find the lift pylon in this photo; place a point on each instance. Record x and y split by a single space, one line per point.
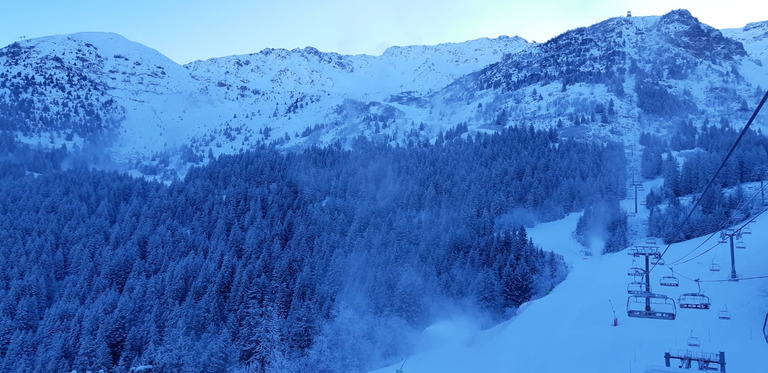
642 302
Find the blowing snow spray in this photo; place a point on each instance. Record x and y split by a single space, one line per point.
615 320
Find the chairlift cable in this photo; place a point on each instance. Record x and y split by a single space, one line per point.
722 226
710 249
740 279
720 280
712 180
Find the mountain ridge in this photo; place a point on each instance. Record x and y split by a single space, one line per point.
611 80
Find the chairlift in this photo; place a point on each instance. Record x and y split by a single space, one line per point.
723 237
658 261
669 280
650 240
636 272
714 267
694 300
741 245
652 306
638 288
746 230
693 341
724 314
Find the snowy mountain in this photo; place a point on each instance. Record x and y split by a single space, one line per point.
69 87
754 37
610 80
618 76
362 254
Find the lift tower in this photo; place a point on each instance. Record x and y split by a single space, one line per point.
647 252
728 235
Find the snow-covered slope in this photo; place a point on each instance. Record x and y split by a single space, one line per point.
75 86
611 80
421 69
61 89
570 330
754 37
619 76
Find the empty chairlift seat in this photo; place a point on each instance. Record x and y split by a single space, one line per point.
724 314
714 267
638 288
669 281
635 271
694 300
693 341
651 306
741 245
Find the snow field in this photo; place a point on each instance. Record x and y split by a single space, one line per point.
570 330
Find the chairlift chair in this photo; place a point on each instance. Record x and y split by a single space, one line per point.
741 245
714 267
746 230
724 235
694 300
723 238
650 241
638 288
669 280
693 341
640 188
652 306
636 272
658 261
724 314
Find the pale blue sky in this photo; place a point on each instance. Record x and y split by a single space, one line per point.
187 30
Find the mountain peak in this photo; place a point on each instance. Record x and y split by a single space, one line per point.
684 31
681 16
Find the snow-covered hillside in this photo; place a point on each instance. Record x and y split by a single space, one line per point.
570 330
61 89
610 80
420 69
754 37
615 78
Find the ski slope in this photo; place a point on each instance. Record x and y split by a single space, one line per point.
570 330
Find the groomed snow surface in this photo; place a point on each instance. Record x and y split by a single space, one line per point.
570 330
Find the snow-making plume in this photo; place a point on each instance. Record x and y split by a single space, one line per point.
596 239
458 331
